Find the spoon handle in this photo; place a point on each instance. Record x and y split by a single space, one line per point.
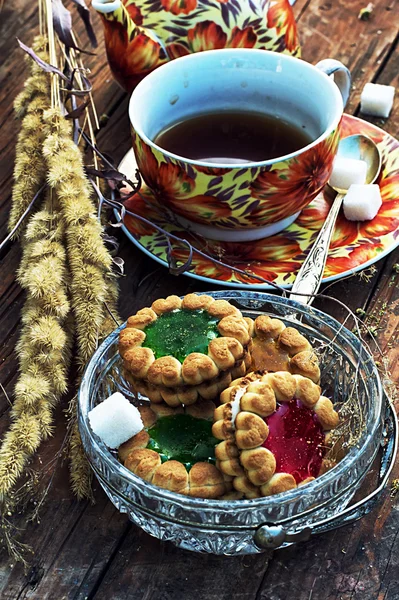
310 274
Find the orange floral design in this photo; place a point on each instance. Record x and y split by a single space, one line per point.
138 205
255 258
313 217
281 17
202 209
134 12
358 256
171 184
176 50
292 188
210 36
206 36
198 44
264 261
178 7
166 180
242 38
130 61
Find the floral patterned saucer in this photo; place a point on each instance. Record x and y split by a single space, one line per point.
354 246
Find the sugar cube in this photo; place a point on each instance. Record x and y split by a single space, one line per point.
347 171
362 202
115 420
377 99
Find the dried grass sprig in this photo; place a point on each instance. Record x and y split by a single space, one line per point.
44 345
80 472
30 168
63 249
88 259
17 550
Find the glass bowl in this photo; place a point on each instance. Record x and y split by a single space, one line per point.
348 376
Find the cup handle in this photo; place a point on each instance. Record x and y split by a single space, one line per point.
342 76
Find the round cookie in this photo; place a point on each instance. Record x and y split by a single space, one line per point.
181 349
187 395
174 449
276 347
272 430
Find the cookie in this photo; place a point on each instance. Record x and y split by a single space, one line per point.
176 450
272 429
276 347
181 349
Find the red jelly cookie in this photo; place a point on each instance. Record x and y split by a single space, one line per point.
272 428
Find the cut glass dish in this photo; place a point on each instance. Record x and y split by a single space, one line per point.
348 376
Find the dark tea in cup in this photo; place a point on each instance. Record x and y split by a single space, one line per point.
209 151
233 137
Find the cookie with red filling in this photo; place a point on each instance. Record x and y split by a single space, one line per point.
272 428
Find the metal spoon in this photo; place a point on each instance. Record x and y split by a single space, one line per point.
310 275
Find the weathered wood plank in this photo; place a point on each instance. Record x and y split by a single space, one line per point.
178 574
332 29
10 311
87 552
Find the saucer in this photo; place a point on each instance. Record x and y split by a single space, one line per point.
278 258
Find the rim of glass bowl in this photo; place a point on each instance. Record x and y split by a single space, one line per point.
189 502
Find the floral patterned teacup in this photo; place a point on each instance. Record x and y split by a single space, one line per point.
248 201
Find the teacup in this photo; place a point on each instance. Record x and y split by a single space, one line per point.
239 201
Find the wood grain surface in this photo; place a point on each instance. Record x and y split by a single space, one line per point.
84 551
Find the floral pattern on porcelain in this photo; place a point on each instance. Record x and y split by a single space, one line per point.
277 259
132 31
241 197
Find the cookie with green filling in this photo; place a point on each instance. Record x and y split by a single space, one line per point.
182 349
272 431
176 450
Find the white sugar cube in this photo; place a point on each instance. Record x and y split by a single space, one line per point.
115 420
377 100
362 202
347 171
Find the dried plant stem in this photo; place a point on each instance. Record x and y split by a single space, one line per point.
30 168
79 62
55 88
88 259
81 474
79 65
44 346
63 257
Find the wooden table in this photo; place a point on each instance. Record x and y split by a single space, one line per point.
92 551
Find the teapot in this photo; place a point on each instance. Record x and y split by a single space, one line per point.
141 35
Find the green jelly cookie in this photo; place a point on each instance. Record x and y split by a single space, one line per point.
184 438
181 332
